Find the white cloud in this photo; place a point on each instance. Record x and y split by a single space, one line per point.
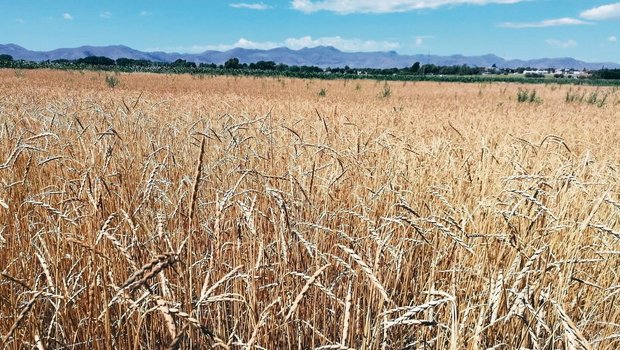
252 6
145 13
241 43
383 6
245 44
105 14
612 39
179 49
338 42
558 44
341 43
20 20
67 16
420 39
605 12
566 21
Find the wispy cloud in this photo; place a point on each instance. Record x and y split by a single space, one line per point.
67 16
20 20
566 21
612 39
145 13
244 44
341 43
105 14
241 43
601 13
383 6
559 44
251 6
420 39
344 44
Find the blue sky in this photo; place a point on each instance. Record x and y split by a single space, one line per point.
584 29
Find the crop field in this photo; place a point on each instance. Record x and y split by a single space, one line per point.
190 212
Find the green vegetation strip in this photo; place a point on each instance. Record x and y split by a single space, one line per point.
456 74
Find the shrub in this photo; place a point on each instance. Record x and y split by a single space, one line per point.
574 96
524 95
112 81
386 92
594 99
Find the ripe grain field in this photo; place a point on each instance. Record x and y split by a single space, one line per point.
246 213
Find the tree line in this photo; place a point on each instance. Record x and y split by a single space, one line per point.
233 66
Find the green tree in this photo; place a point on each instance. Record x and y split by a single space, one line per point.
232 63
415 68
6 60
130 62
181 63
266 65
96 61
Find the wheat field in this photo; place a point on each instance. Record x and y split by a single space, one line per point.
186 212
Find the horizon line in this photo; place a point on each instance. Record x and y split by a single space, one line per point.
310 47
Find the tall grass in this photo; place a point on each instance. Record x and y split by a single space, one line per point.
525 95
178 212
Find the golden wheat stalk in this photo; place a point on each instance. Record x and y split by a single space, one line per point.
366 269
262 319
20 318
303 291
574 337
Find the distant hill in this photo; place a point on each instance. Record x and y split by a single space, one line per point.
322 56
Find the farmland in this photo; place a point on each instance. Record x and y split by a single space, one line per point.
178 211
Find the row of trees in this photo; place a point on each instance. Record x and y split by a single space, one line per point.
234 63
607 74
267 68
6 58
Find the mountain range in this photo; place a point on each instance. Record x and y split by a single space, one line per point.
321 56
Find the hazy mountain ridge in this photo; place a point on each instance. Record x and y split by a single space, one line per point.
322 56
